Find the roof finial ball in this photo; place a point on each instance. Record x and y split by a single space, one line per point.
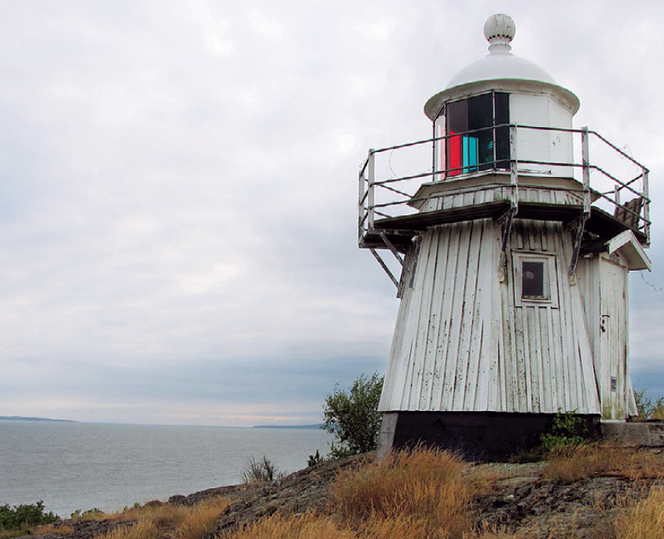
499 30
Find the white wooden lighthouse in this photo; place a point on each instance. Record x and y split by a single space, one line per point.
514 234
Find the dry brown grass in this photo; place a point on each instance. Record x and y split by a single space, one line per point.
410 495
425 487
602 531
92 514
10 534
311 526
645 465
483 480
294 527
181 522
200 519
576 462
645 520
143 529
58 527
162 515
582 461
502 534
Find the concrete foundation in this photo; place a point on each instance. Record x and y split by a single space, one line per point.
477 436
634 433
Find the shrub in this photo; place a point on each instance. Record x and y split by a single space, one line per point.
568 430
646 408
352 416
314 459
22 517
88 514
261 471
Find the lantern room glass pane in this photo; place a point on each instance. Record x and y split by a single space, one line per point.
502 117
474 142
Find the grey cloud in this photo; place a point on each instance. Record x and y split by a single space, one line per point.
177 188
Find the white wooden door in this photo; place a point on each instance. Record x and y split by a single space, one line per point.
613 376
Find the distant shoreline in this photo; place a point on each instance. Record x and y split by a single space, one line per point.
21 418
50 420
317 426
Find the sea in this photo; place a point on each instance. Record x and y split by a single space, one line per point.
80 466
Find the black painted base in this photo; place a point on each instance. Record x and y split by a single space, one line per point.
477 436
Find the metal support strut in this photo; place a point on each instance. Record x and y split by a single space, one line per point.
384 266
505 220
581 220
407 272
580 227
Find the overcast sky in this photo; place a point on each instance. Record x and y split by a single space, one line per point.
178 189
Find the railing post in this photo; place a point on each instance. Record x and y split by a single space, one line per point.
371 195
361 193
646 205
434 156
585 151
581 221
514 177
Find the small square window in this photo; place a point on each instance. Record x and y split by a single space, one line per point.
534 279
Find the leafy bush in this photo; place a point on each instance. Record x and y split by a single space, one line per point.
352 416
569 429
25 516
647 409
89 514
261 471
314 459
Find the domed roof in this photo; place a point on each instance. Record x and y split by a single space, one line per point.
500 63
500 70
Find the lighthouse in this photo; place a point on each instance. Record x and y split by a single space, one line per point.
513 233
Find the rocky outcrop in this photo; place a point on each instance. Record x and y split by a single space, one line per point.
516 498
582 509
304 491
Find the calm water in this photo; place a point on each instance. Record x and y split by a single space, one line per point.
84 465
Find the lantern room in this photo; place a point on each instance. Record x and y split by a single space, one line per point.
471 116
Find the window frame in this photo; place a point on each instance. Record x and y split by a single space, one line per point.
549 276
464 145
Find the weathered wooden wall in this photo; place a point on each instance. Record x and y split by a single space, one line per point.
462 343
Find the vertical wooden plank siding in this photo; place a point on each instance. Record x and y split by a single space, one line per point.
463 344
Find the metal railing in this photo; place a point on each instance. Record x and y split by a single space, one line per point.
612 177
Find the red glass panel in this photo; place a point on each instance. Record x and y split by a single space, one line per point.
455 154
